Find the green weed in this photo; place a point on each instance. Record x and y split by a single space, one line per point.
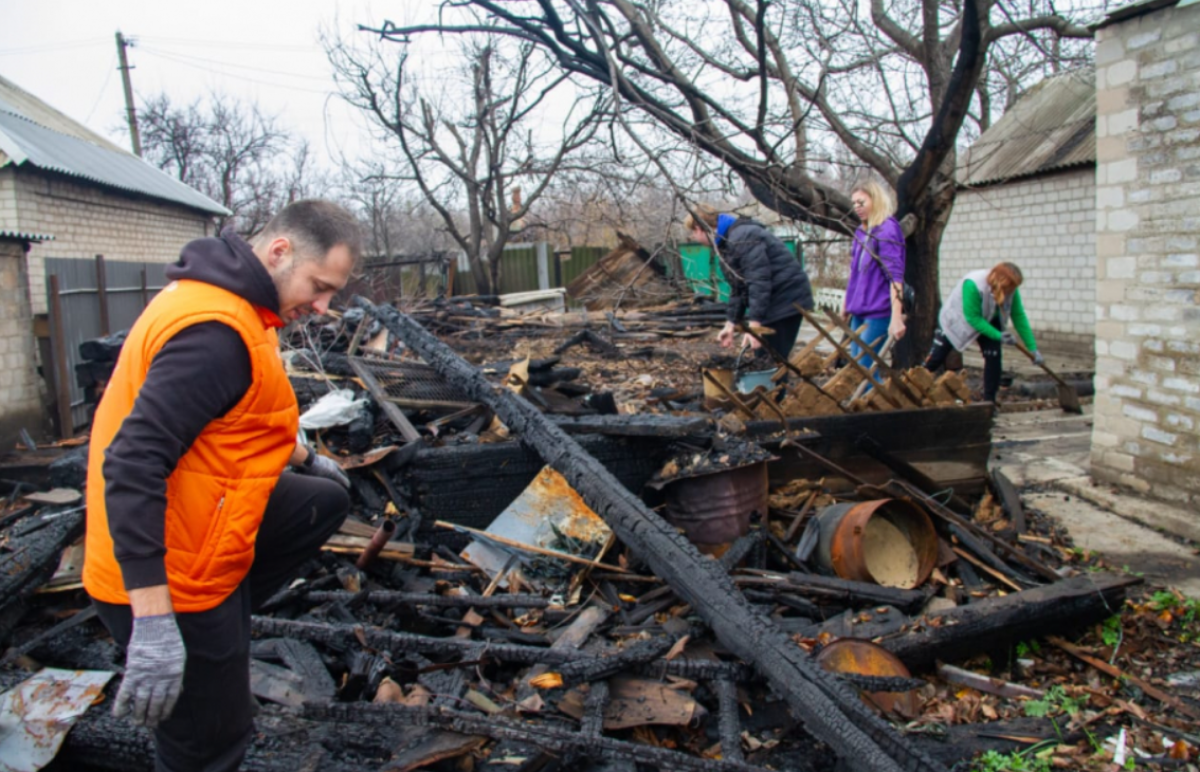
1017 761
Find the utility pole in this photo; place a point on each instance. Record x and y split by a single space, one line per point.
130 110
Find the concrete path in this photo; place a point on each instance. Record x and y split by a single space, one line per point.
1045 453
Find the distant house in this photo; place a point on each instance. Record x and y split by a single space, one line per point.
1027 194
68 193
58 177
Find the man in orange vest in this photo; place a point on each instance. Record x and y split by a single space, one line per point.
193 521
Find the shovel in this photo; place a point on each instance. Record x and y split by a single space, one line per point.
1068 398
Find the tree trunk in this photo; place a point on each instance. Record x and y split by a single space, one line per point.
921 270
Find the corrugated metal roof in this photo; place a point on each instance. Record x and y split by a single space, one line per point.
61 145
18 101
1053 126
23 236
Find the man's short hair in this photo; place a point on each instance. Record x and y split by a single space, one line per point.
315 227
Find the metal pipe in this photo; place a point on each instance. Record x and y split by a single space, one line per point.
382 536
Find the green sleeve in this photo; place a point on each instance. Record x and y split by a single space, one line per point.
973 311
1021 322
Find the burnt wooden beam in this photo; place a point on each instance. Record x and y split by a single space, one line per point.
597 668
342 636
965 631
830 710
555 738
592 724
1010 500
429 599
844 592
729 728
635 425
394 413
37 545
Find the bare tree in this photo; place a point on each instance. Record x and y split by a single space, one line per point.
762 86
230 151
472 151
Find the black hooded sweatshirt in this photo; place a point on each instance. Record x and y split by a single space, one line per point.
197 376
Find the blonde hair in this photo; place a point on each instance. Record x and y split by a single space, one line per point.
882 204
703 215
1004 278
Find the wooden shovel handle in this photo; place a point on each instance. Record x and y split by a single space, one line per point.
1028 353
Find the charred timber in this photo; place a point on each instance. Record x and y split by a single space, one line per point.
37 545
100 741
429 599
341 636
634 655
543 735
830 710
995 623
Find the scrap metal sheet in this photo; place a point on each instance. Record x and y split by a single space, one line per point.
36 714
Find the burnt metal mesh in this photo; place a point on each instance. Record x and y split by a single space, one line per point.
414 384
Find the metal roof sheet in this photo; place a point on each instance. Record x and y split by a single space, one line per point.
1053 126
32 132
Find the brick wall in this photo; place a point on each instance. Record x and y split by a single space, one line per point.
88 220
1046 225
20 401
1147 421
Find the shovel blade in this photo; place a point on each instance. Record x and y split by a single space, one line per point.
1068 399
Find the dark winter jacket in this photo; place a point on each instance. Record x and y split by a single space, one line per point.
765 279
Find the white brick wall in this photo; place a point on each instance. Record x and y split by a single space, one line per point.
1046 225
20 402
1147 253
88 220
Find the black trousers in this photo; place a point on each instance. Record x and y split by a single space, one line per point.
993 365
784 337
212 723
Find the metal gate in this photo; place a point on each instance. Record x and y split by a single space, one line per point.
87 299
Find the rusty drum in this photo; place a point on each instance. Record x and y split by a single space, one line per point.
715 508
851 655
886 541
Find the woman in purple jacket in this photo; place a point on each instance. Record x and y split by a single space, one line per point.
875 292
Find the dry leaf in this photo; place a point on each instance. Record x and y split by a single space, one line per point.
678 648
547 681
388 691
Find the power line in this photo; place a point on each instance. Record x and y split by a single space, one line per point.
222 63
228 44
46 48
212 71
107 78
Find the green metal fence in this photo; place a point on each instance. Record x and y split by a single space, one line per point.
703 271
571 267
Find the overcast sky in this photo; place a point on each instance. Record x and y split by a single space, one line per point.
64 52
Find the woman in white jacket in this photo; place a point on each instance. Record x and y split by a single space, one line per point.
979 308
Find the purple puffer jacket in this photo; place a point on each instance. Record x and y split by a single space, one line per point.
867 291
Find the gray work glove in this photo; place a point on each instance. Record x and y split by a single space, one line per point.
153 671
1008 339
1038 358
324 466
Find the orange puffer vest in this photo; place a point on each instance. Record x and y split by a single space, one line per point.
218 492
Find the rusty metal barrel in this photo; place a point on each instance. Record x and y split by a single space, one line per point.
715 508
886 541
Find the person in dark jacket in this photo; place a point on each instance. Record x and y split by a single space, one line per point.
193 521
766 282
